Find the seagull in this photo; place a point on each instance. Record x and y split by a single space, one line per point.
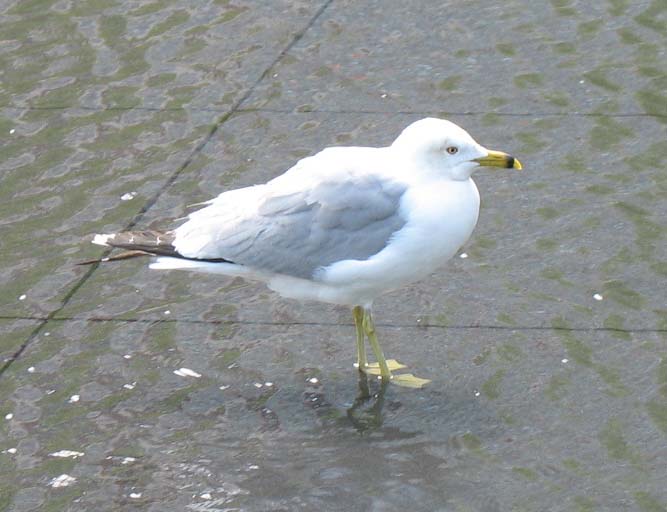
342 226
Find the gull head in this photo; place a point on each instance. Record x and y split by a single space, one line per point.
440 147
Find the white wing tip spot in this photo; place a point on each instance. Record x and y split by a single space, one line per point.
103 239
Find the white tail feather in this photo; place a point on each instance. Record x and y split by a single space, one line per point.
167 263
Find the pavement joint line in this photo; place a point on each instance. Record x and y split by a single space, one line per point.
295 39
64 319
455 113
17 353
338 111
172 178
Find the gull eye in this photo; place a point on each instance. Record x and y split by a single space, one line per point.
452 150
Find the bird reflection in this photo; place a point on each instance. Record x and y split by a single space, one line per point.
365 414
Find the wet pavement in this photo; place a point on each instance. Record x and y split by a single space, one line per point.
127 389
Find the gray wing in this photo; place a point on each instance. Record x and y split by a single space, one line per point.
298 233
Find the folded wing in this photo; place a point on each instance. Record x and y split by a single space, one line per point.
296 232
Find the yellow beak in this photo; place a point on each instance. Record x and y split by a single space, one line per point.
499 159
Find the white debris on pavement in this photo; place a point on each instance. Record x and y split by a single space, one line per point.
123 460
597 296
63 480
66 454
187 372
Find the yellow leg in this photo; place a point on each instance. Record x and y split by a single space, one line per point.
404 379
369 328
369 368
362 361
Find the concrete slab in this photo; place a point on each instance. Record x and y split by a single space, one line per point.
270 417
159 55
168 391
13 333
518 57
98 107
83 172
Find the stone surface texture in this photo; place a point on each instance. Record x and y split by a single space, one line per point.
546 343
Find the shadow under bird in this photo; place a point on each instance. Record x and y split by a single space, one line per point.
343 226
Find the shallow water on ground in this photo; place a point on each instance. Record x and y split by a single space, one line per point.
545 338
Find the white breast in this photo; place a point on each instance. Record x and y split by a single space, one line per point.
441 217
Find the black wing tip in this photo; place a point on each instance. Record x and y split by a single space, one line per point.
143 243
118 257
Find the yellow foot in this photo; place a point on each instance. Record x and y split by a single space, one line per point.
374 368
407 380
